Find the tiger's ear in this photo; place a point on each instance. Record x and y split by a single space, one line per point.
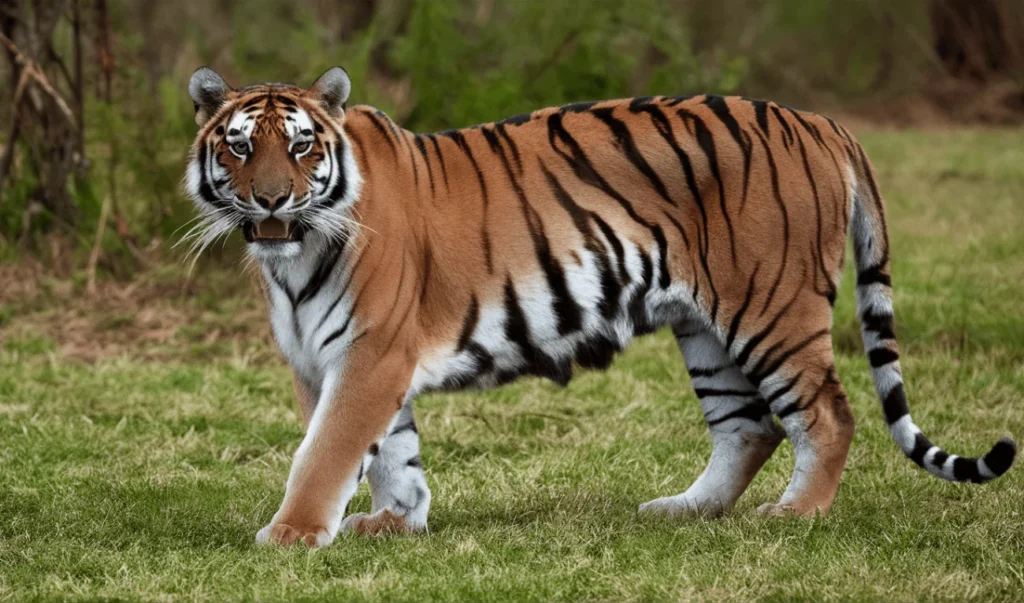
332 89
208 91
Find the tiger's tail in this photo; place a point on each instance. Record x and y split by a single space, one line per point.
875 309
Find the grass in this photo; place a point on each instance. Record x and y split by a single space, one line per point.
147 479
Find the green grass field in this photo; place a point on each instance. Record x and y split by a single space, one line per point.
148 479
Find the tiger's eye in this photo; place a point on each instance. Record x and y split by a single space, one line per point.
240 148
302 147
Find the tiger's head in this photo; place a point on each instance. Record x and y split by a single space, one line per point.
273 160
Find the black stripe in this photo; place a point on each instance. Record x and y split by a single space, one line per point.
317 280
283 286
672 101
895 404
484 359
835 127
638 103
761 115
811 128
664 279
577 107
567 312
516 120
624 139
410 426
620 253
921 447
611 289
585 171
788 138
596 352
468 324
734 327
791 408
710 392
637 306
782 391
707 144
752 412
412 158
422 147
517 331
882 356
720 107
707 371
330 308
341 186
428 262
881 324
966 470
415 461
758 374
940 458
205 190
874 274
830 291
338 333
777 196
383 132
440 158
253 102
500 128
460 140
748 348
664 127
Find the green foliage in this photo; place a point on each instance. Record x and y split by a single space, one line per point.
437 65
546 53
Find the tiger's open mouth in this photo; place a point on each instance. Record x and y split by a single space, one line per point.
272 230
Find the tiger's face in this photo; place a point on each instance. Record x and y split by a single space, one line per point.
272 160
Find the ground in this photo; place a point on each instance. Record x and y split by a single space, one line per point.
145 437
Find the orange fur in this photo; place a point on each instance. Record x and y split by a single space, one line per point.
746 203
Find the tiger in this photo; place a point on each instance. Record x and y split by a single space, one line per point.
396 264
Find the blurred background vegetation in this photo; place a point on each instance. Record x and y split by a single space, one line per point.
95 119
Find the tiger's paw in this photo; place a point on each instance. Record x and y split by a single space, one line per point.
285 535
682 506
381 523
781 510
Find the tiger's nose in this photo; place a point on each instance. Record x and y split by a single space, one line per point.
270 202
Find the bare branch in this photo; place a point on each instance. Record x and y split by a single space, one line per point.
29 66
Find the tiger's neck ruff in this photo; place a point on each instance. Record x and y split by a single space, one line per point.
397 263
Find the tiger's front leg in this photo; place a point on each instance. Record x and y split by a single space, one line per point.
401 497
352 413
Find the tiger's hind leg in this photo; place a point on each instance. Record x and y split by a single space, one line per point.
398 487
803 390
740 422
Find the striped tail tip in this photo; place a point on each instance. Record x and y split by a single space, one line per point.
1000 458
952 467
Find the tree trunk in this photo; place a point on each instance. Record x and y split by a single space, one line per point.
978 40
